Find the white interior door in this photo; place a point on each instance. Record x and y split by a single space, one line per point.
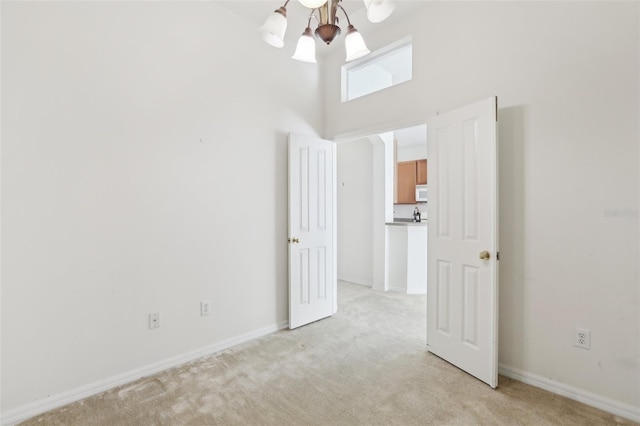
312 276
462 282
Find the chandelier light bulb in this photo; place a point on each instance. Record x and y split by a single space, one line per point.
379 10
354 44
274 28
306 48
312 4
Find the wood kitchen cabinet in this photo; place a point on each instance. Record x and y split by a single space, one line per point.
410 174
421 172
407 178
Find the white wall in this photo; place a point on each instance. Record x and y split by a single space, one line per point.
412 153
405 211
569 152
144 164
355 211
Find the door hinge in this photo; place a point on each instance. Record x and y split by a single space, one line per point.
497 255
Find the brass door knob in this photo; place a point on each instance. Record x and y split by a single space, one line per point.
484 255
294 240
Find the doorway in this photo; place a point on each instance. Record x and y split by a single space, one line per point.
462 269
378 244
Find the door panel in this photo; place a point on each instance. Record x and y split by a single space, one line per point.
311 238
462 289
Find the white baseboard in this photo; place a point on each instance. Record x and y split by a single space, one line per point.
27 411
402 290
355 280
626 411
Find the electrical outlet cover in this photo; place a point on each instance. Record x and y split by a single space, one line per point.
205 307
154 320
582 338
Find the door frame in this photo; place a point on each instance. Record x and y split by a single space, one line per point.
334 179
361 134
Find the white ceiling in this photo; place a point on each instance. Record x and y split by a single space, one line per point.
297 16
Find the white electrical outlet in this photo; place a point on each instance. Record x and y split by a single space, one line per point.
205 307
154 320
582 338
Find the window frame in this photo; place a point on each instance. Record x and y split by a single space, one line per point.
367 60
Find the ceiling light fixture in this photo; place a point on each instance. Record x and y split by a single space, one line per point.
324 11
379 10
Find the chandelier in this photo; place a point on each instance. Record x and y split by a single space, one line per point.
325 13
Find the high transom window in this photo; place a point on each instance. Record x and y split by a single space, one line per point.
383 68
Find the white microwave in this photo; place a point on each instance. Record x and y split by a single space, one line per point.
421 193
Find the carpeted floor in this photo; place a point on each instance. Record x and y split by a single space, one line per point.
367 365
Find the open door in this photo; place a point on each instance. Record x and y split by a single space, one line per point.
312 279
462 281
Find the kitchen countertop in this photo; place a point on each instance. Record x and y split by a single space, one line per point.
407 222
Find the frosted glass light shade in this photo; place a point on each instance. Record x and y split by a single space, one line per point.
306 48
273 29
312 4
379 10
354 44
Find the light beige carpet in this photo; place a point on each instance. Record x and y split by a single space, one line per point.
367 365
